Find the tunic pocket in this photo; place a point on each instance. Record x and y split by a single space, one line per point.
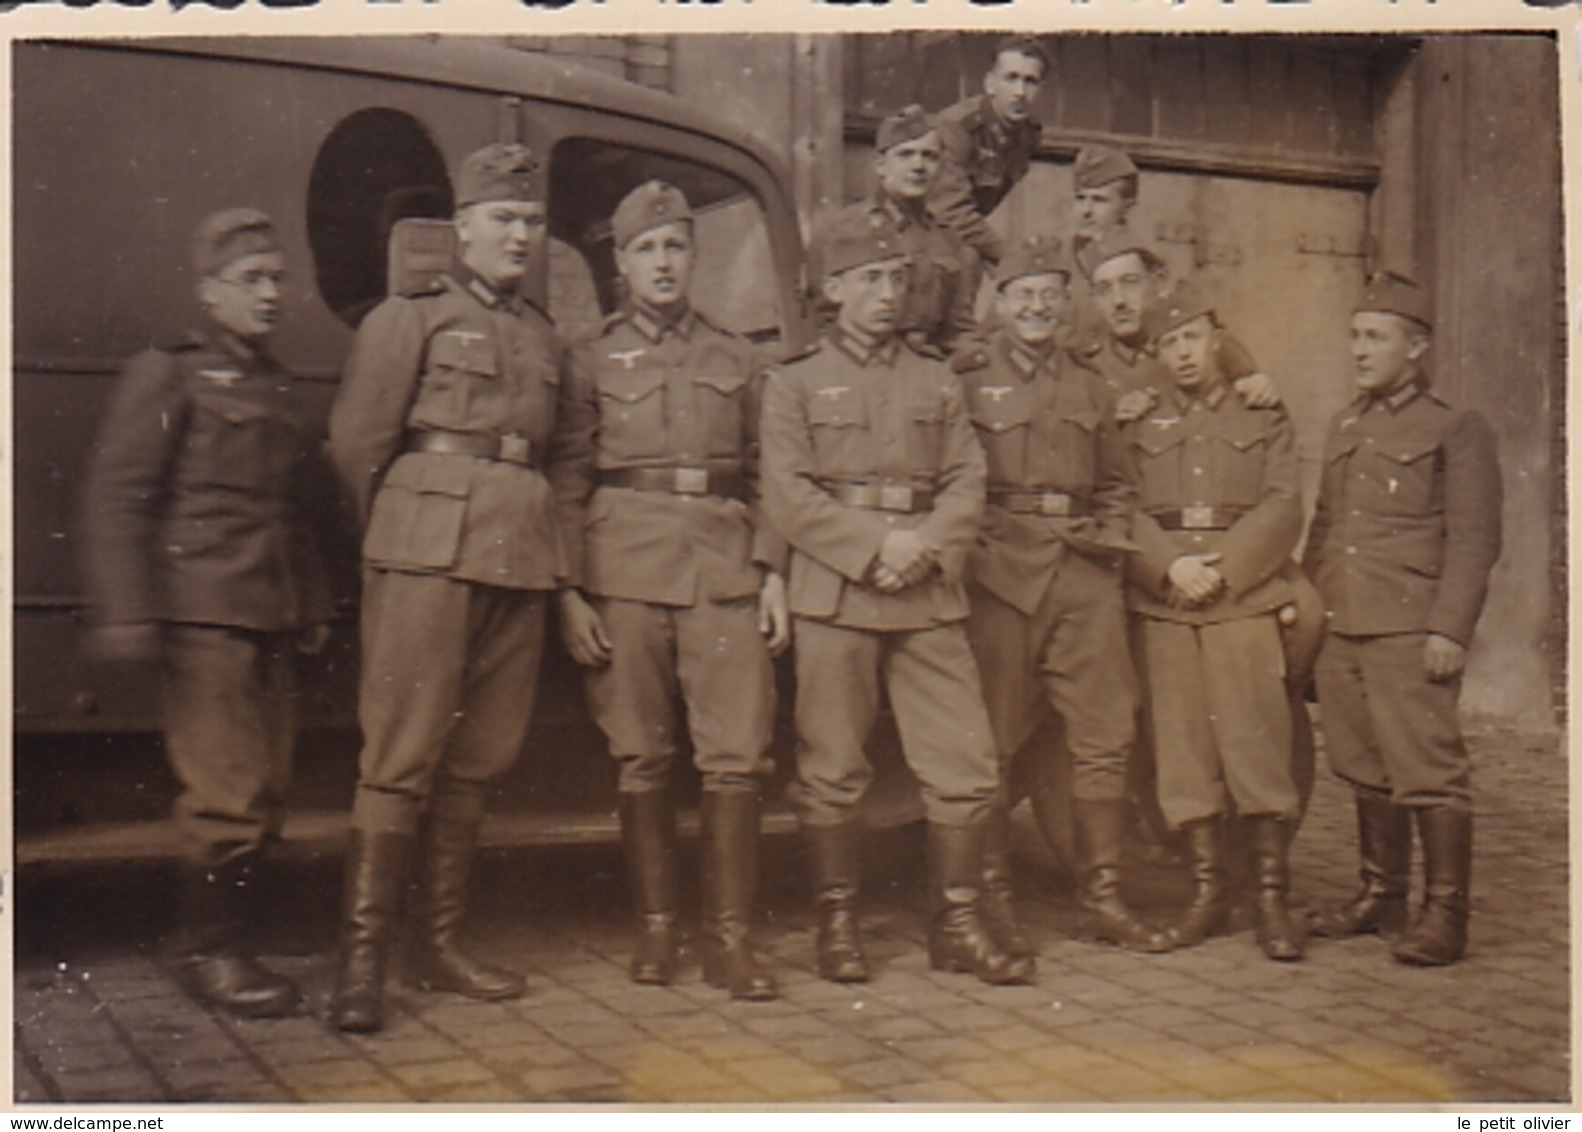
720 399
1406 476
631 416
838 426
419 513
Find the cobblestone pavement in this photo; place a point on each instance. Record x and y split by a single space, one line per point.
98 1017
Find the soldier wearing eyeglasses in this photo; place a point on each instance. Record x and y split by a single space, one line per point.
203 557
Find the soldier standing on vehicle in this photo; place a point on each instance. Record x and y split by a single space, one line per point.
873 476
1219 513
938 309
679 590
1048 621
202 555
1405 535
440 433
988 141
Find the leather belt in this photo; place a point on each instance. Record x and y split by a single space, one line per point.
872 495
1199 518
1038 501
508 448
677 481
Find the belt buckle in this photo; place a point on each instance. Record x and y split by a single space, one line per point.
515 448
1197 518
1054 504
895 497
691 481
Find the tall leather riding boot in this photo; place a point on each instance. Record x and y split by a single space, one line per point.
1384 835
215 966
957 939
435 961
995 906
1210 907
1439 936
1268 838
833 857
1100 830
376 875
730 878
648 837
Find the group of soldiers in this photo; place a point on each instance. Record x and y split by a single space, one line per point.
1087 502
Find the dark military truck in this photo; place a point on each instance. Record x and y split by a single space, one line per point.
119 148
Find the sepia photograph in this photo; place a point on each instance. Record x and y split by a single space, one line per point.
984 567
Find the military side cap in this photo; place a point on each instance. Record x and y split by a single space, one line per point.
903 126
1036 255
1113 244
855 236
501 171
1098 165
230 234
1185 302
1390 293
647 206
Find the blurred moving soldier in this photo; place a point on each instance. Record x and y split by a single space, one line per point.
440 432
1219 514
1048 622
873 476
1406 533
202 556
681 591
938 308
989 140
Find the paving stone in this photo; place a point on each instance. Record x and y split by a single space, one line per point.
434 1080
885 1072
787 1078
122 1083
996 1071
562 1081
1343 1083
944 1051
1068 1059
933 1092
1047 1091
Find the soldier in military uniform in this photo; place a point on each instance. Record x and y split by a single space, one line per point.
1129 284
1104 192
988 141
203 556
1405 535
678 586
1048 622
1218 516
873 476
440 433
938 309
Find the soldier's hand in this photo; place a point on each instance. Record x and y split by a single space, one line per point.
1135 405
583 631
1196 579
1258 391
774 620
1443 657
884 579
312 639
906 554
125 643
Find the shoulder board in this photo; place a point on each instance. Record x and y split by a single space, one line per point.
712 325
423 288
970 360
808 351
1438 399
923 348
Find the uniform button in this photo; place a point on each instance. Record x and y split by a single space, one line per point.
1351 550
1197 471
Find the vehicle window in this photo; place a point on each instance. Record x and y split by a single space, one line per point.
376 167
573 297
